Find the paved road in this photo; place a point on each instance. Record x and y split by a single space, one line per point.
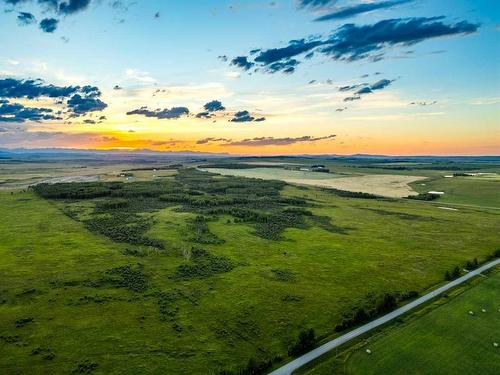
313 354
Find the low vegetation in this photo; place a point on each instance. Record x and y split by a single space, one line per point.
208 273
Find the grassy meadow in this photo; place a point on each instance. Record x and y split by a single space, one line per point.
179 286
443 338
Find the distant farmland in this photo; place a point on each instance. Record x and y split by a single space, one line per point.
387 185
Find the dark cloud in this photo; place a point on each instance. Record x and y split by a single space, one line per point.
352 98
173 113
286 67
48 25
351 42
209 108
89 121
211 140
315 3
272 141
382 84
294 48
351 87
213 106
352 11
242 62
55 7
81 105
204 115
364 88
341 109
25 18
80 99
223 58
64 7
117 87
70 6
35 88
15 112
244 116
379 85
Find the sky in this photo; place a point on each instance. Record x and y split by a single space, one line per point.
393 77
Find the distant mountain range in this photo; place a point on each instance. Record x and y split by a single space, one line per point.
152 155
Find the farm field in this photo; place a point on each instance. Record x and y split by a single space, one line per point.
446 338
473 191
393 186
160 289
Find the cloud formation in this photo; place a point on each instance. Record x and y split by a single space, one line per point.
365 88
79 99
173 113
212 140
15 112
354 10
81 105
69 6
55 7
48 25
214 106
315 3
351 42
244 116
272 141
25 18
242 62
210 108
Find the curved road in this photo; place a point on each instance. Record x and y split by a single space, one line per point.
313 354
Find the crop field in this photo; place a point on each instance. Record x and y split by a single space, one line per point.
456 337
200 273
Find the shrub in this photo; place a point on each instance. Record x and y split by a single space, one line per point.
453 274
85 367
23 321
304 343
203 265
129 277
423 197
283 275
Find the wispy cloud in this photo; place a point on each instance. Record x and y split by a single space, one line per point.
273 141
361 8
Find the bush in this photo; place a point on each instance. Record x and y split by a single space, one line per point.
202 234
305 342
203 265
85 367
130 277
23 321
453 274
470 265
423 197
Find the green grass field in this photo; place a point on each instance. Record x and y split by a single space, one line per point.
53 299
444 340
468 191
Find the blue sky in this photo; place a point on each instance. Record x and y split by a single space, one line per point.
109 43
